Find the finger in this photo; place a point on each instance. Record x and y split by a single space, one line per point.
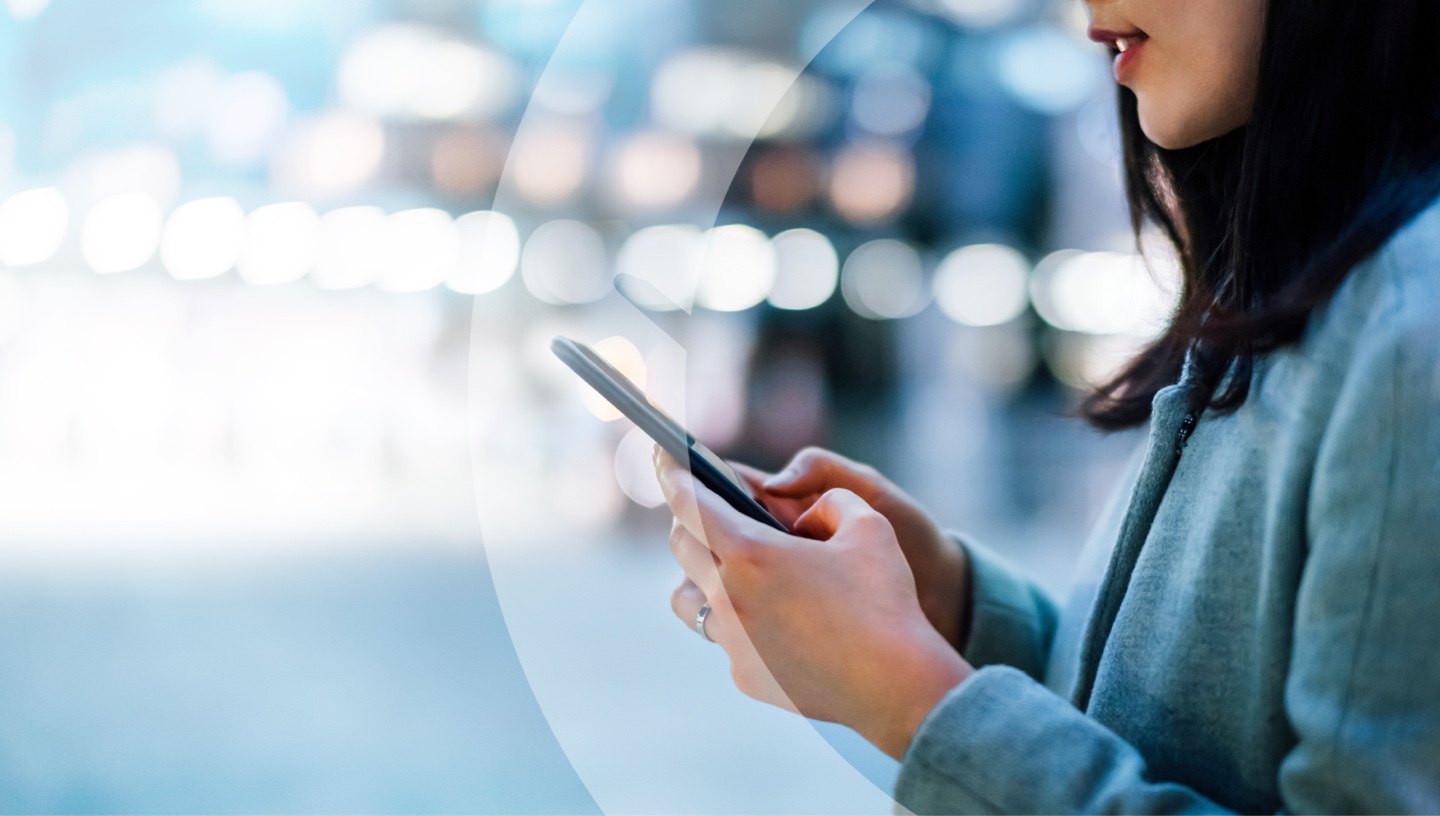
783 508
816 470
695 559
754 477
716 524
686 601
678 486
837 510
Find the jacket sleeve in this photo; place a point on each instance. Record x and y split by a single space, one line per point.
1363 689
1002 743
1012 620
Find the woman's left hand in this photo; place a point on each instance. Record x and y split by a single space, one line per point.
825 622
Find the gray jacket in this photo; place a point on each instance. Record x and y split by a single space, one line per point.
1266 635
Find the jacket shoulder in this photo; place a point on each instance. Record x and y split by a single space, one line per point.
1391 299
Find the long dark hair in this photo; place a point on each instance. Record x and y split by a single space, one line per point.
1342 150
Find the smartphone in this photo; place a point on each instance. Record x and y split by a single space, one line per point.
710 470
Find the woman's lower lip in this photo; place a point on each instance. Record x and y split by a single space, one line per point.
1125 61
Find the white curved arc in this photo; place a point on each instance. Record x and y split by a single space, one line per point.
639 726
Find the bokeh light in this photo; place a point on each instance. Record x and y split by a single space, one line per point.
465 81
565 262
982 285
489 252
1088 360
778 102
32 226
1046 70
807 269
658 267
872 182
635 469
282 243
405 70
328 155
786 179
1103 293
737 270
627 359
891 100
884 280
652 170
122 232
549 161
467 160
1042 279
694 91
26 9
203 239
804 111
352 248
721 92
422 247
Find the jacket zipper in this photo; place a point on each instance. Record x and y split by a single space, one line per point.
1187 427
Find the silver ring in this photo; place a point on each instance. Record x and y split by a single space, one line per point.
700 622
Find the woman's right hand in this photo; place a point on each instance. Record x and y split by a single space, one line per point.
941 569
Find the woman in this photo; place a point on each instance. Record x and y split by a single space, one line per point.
1266 634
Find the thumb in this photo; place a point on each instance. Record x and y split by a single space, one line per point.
815 470
836 510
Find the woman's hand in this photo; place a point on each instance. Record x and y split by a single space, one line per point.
826 622
942 577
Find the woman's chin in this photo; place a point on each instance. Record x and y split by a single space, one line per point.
1179 132
1170 135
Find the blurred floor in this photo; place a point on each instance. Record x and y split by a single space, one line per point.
383 684
348 684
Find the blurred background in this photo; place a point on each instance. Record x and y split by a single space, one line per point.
297 512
